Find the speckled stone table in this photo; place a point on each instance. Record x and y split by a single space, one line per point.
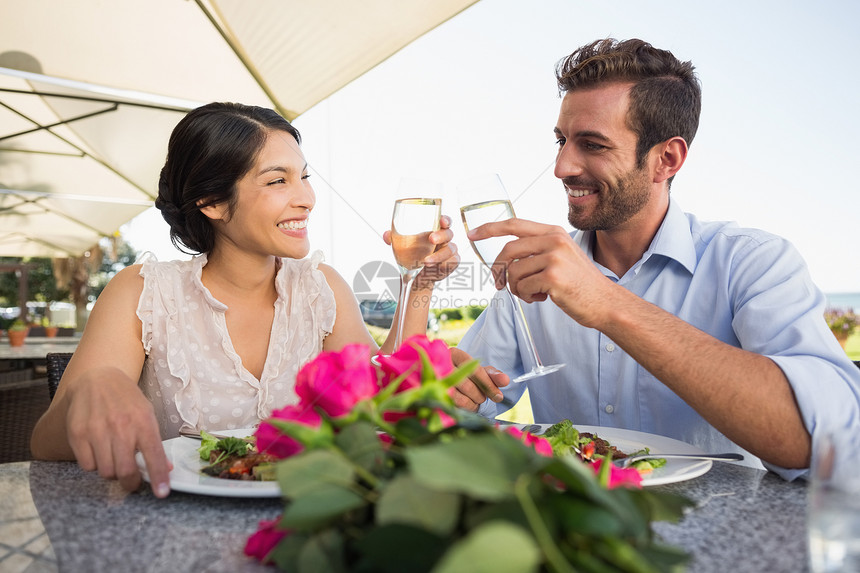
745 520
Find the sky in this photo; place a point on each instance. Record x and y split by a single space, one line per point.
776 146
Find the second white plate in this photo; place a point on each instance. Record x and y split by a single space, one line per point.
629 441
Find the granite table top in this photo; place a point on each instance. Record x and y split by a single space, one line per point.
56 517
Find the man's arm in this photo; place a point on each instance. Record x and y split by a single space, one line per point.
711 376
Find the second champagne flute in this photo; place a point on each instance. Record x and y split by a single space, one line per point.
411 224
485 200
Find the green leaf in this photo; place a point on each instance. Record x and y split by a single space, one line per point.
428 374
313 470
322 553
624 556
496 547
386 392
461 373
663 506
233 446
665 558
361 444
408 502
319 507
581 516
398 549
476 513
411 429
308 436
286 553
484 465
207 444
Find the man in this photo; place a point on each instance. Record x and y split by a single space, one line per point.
704 332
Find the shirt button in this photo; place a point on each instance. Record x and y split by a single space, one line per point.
609 408
610 347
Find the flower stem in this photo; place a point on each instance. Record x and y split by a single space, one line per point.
367 476
556 561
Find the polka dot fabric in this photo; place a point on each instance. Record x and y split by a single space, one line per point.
192 374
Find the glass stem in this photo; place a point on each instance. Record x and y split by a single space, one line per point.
520 319
406 280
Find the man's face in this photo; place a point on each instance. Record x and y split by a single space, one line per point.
596 159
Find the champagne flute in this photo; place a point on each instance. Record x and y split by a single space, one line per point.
411 224
485 200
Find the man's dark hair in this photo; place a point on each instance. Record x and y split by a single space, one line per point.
665 99
209 150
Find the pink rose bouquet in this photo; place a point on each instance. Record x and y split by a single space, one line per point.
382 473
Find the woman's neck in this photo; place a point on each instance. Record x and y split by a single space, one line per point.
229 275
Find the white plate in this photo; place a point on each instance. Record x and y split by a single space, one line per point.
629 441
186 476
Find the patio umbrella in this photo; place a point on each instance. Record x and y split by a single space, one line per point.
90 90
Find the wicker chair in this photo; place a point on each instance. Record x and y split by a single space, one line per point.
56 363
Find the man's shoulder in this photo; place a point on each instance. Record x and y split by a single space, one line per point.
728 231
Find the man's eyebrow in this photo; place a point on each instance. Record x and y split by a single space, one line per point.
592 134
583 133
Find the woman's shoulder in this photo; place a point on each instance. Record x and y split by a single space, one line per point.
309 276
310 268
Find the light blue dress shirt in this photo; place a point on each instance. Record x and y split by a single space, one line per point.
745 287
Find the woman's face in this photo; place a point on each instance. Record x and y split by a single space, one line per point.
273 202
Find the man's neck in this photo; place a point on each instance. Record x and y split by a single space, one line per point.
620 248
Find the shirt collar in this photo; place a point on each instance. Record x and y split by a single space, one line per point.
673 240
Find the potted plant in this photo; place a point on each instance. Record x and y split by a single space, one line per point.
842 323
50 329
17 333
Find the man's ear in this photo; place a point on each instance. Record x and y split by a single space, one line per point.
670 155
216 212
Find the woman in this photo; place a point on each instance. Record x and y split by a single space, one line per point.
214 342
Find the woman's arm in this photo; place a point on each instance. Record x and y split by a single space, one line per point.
99 416
349 326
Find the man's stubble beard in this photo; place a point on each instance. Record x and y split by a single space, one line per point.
616 204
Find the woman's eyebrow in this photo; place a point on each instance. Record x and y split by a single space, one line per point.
280 169
285 170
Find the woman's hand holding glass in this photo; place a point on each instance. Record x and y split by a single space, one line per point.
441 262
420 239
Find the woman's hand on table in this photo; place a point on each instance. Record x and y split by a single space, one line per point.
483 383
108 420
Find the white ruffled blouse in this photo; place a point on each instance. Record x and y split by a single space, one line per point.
192 374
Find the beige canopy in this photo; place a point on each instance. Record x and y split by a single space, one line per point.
89 91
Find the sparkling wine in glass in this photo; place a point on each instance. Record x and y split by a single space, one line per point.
411 224
485 200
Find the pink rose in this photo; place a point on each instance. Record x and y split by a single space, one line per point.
271 440
264 540
337 381
407 359
540 445
619 477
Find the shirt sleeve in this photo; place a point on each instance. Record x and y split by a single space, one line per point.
779 313
492 339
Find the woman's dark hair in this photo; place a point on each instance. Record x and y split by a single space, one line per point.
210 149
665 100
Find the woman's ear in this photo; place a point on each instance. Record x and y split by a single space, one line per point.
671 155
216 212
